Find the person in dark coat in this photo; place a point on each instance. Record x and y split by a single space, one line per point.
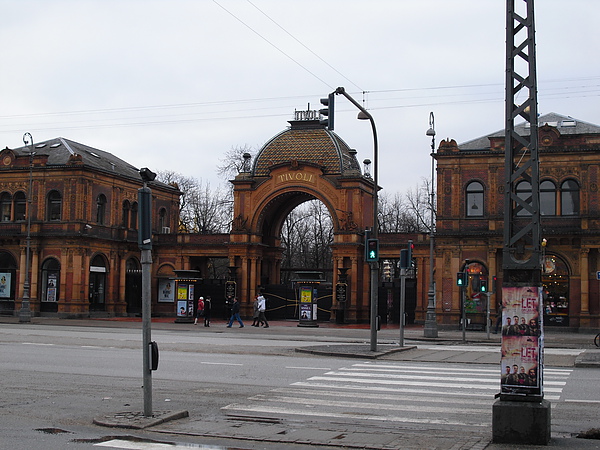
235 314
207 309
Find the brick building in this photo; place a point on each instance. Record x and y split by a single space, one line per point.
470 193
83 228
85 256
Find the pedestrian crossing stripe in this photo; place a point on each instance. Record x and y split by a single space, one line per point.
350 415
407 390
353 372
494 384
447 394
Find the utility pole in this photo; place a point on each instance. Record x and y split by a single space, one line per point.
521 415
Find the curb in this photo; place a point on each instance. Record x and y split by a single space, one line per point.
588 359
137 420
352 351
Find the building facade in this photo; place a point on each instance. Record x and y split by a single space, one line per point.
81 220
469 227
85 260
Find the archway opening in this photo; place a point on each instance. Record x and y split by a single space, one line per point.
50 292
306 237
298 234
133 286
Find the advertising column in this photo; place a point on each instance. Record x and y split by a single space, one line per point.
308 306
522 343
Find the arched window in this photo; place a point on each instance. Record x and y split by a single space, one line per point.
134 214
20 202
547 198
54 206
569 198
162 220
5 207
474 200
101 209
523 191
126 209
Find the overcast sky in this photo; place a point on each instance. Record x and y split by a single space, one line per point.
173 85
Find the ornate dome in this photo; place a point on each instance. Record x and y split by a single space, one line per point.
310 142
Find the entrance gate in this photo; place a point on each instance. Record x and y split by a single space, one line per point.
304 162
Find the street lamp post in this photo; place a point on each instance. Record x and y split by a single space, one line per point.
25 311
430 329
365 115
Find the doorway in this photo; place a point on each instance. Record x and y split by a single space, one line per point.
133 286
98 284
555 280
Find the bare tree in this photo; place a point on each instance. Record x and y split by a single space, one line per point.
233 161
420 205
306 238
395 215
201 209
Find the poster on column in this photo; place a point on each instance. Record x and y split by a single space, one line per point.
522 341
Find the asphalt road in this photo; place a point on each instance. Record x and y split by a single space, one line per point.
56 379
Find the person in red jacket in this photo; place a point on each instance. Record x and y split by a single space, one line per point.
199 310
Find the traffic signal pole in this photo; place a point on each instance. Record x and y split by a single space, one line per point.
364 114
145 245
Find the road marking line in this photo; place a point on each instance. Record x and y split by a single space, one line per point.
308 368
581 401
220 363
415 383
482 409
433 378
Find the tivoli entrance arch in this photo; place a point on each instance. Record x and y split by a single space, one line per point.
304 162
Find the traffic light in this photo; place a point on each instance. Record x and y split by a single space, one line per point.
372 250
145 218
404 264
387 269
410 248
461 279
483 286
327 112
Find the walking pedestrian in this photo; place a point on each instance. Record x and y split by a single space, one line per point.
262 307
207 309
199 310
235 313
255 321
499 309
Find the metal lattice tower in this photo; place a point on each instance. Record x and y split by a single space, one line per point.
522 244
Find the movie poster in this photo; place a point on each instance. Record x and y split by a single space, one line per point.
182 308
522 341
305 312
